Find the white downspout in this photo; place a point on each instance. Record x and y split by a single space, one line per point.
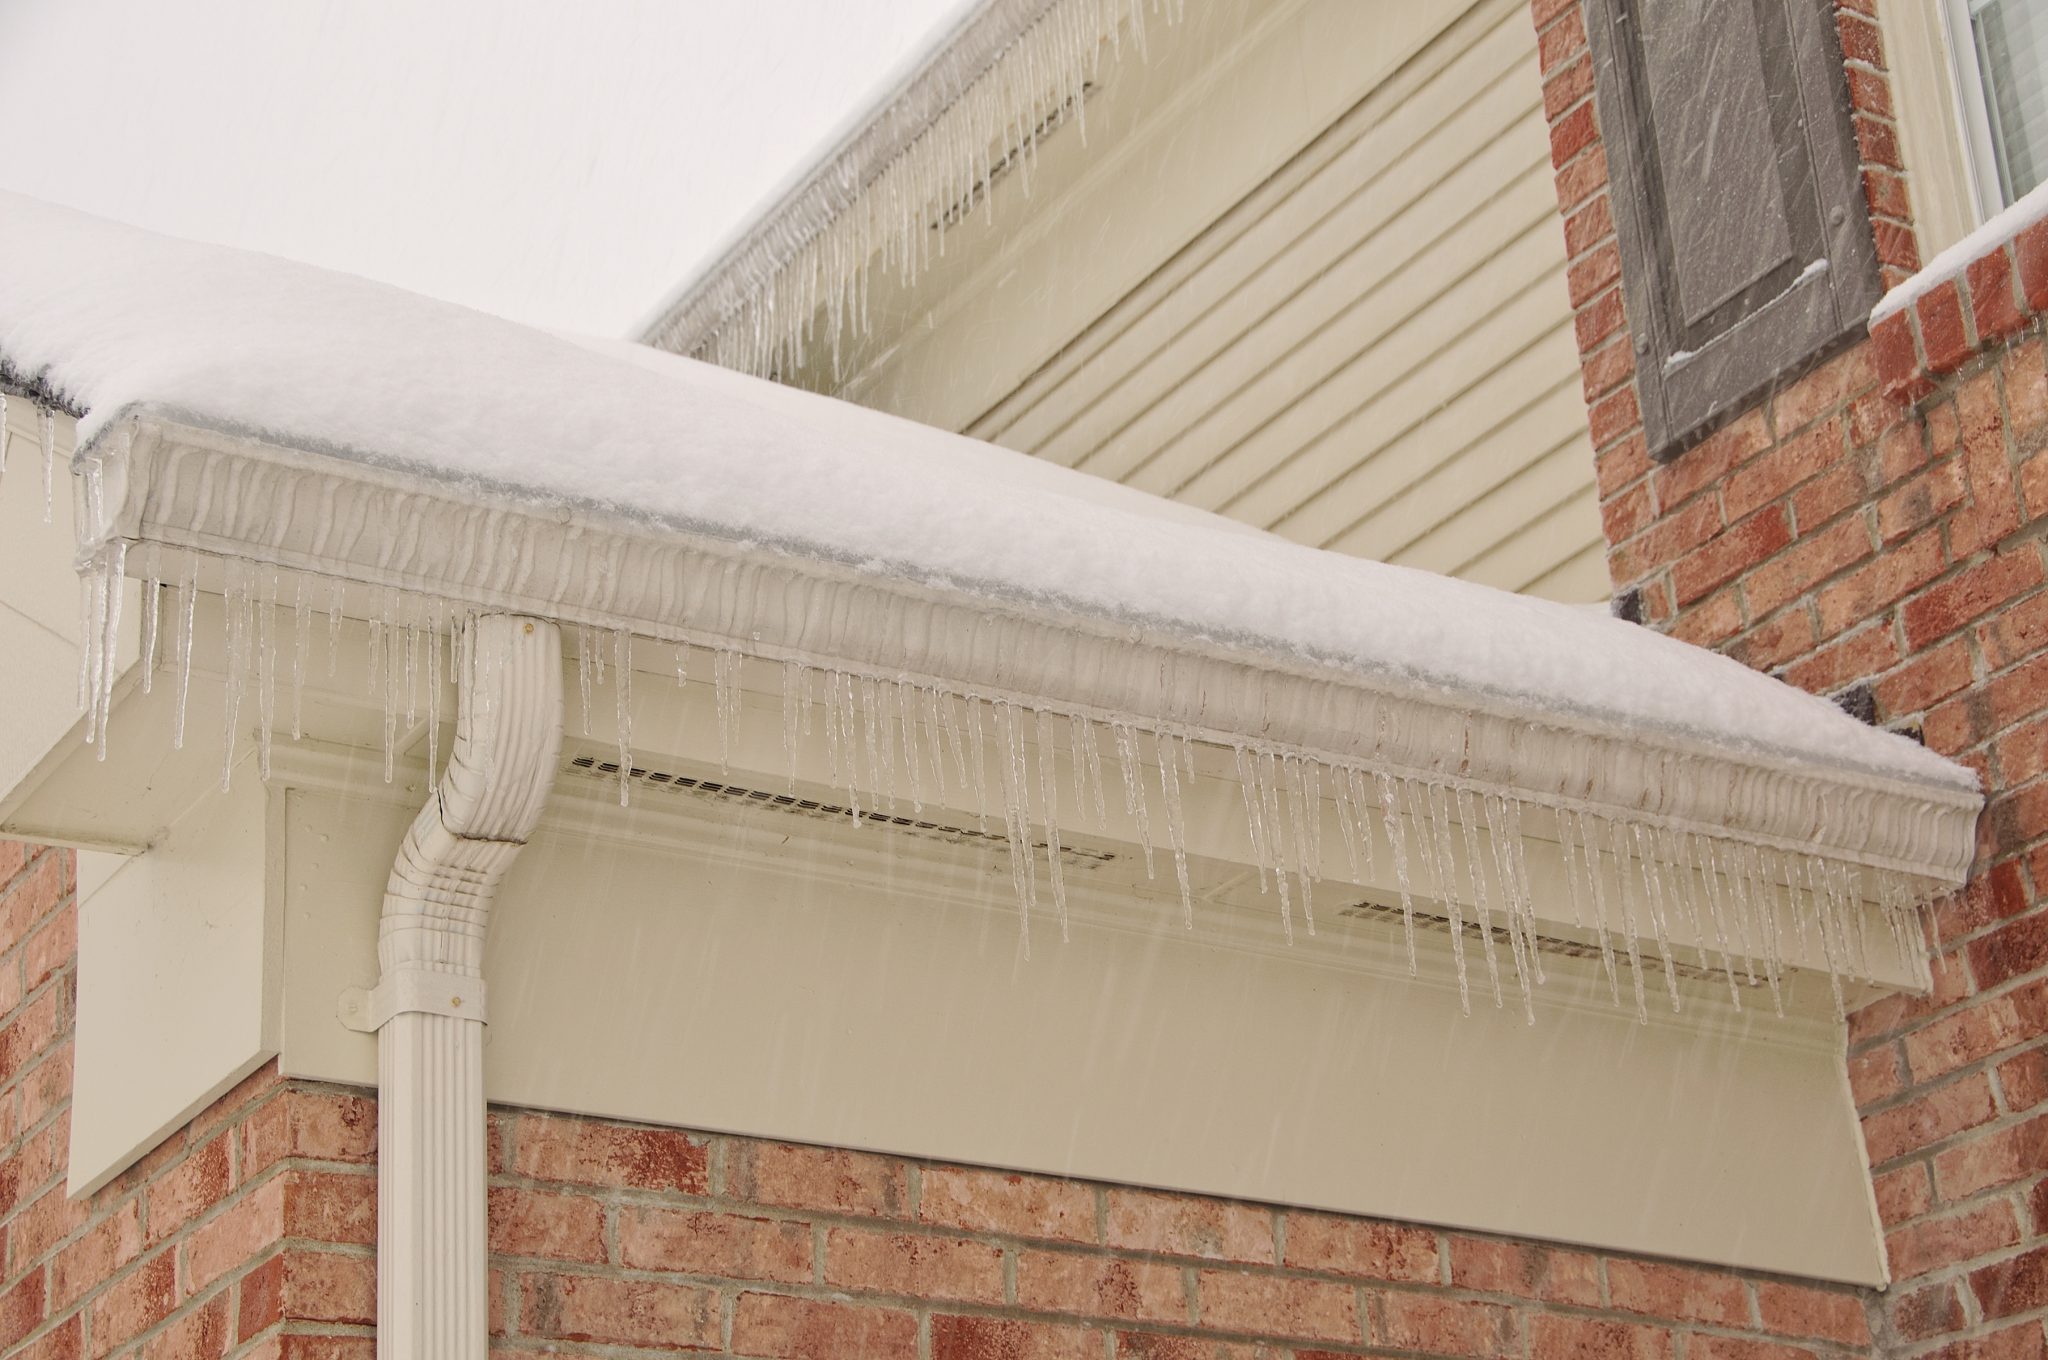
428 1007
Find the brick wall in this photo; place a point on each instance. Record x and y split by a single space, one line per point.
1874 530
249 1234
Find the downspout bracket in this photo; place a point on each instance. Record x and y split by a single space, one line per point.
368 1009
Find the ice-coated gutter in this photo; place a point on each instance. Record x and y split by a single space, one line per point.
428 1008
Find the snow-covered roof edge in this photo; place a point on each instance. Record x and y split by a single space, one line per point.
1006 75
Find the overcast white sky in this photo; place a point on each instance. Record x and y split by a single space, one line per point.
564 164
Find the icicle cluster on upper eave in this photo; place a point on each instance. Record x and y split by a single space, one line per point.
1449 789
888 202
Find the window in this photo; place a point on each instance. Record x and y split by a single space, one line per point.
2001 53
1745 247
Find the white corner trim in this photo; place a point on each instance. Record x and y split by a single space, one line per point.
432 1245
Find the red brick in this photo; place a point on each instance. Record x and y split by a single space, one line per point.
1621 465
2026 388
1573 133
794 1176
1993 304
94 1258
1940 1114
1897 358
731 1246
1878 141
65 1342
533 1223
621 1312
593 1152
2009 951
1567 87
805 1329
1928 1312
1862 654
1588 226
1236 1301
921 1267
133 1303
2014 1343
1440 1326
1670 1291
1739 1348
1627 514
2030 260
36 1230
1997 894
1824 1314
1003 1202
1571 1338
23 1308
1498 1266
1613 416
1709 462
1805 564
1930 1244
1875 1076
1562 41
1822 391
1969 595
1943 339
1845 486
203 1333
1158 1346
1995 1159
1870 93
1711 622
1903 1194
1925 681
235 1237
1582 178
1178 1225
1891 575
319 1126
50 948
1361 1248
2024 1079
1593 272
2023 753
1101 1286
979 1338
1597 320
1860 40
1772 644
2012 1287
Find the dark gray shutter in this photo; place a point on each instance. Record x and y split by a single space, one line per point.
1745 248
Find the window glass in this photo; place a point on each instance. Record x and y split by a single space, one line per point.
2011 42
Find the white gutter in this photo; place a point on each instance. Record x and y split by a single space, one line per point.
428 1009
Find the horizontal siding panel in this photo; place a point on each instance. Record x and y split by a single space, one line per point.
1372 351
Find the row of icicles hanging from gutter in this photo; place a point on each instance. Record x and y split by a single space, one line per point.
898 220
887 739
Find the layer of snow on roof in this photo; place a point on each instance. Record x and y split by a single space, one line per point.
1950 263
117 318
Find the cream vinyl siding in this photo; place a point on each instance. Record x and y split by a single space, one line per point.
1372 350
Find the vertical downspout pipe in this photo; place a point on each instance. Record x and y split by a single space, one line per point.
428 1007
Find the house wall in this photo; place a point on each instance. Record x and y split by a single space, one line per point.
249 1234
1874 529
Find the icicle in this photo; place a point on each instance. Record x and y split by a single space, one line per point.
839 698
882 786
3 434
236 626
1176 820
1632 937
1298 815
906 718
1645 851
1397 841
795 680
928 697
336 592
302 643
1596 877
622 697
1277 837
433 685
725 681
188 598
1347 820
1521 934
1518 863
585 666
1016 817
949 721
1433 840
1254 817
266 672
1130 768
976 748
1481 903
46 428
1049 795
152 599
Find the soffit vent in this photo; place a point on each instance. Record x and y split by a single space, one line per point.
1556 945
594 767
